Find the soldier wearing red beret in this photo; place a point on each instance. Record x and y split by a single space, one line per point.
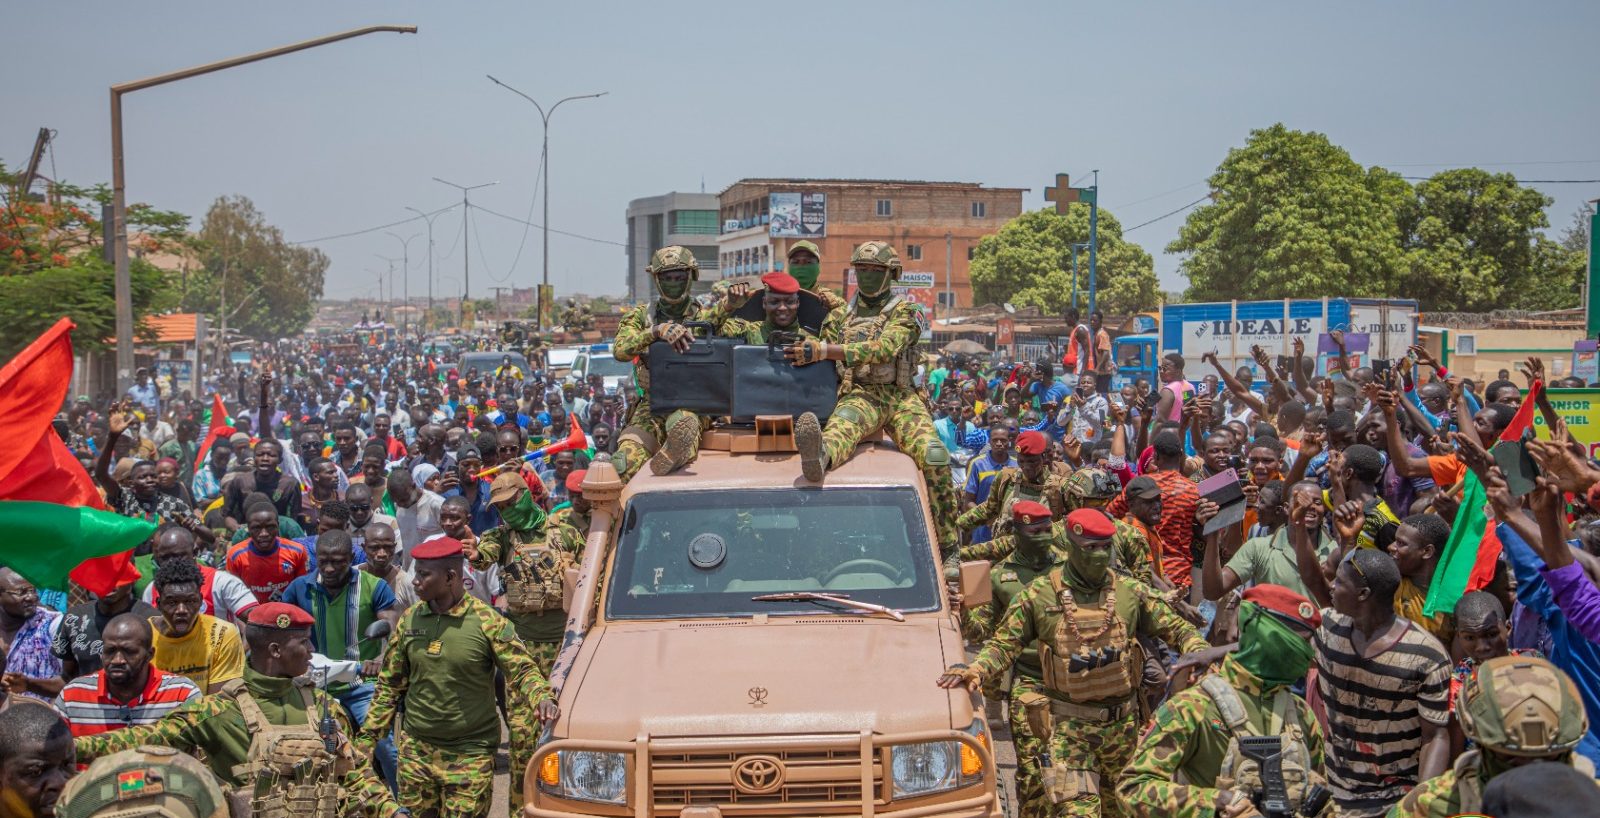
1084 620
780 299
1030 479
1194 732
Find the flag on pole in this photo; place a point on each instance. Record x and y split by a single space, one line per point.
53 521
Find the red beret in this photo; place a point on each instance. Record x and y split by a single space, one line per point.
437 548
1028 511
1285 603
781 283
575 479
1092 523
279 616
1032 442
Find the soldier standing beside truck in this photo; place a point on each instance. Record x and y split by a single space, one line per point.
1084 620
1034 554
877 356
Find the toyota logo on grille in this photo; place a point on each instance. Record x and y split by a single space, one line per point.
758 775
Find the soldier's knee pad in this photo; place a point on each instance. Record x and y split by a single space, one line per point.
935 454
849 414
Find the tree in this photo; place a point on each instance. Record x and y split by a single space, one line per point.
1473 245
1293 216
52 264
1029 263
252 280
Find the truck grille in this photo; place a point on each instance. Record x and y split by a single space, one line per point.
818 781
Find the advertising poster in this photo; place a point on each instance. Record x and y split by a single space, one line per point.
1580 408
797 215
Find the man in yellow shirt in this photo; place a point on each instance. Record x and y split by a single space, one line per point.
189 643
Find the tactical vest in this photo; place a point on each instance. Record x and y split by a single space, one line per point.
1283 720
289 772
534 576
1089 657
859 328
1016 490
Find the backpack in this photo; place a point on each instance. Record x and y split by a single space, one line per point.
1243 774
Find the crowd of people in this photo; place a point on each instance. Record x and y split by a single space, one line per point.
367 563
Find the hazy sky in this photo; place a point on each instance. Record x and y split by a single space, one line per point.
342 138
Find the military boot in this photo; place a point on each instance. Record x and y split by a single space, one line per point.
675 453
808 439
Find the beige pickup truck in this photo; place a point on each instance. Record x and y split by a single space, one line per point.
743 643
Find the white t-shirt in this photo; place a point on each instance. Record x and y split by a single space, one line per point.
416 524
481 584
230 598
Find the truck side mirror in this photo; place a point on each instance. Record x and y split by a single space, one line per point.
975 588
569 586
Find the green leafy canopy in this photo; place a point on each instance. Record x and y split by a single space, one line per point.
1029 263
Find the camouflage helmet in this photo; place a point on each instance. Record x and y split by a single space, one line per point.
806 245
1091 484
150 782
877 252
674 257
1523 706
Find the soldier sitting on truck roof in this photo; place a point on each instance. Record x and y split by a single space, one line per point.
781 301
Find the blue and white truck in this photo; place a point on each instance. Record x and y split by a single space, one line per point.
1230 328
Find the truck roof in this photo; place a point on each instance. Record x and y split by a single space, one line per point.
728 460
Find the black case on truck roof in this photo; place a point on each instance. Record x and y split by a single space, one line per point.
721 377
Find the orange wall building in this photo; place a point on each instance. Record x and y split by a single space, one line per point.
935 226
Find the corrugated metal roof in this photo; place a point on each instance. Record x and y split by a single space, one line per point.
177 328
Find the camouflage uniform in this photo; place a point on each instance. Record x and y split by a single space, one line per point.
149 781
542 631
1092 737
1008 487
1189 740
443 667
875 391
215 725
645 432
1512 701
1007 580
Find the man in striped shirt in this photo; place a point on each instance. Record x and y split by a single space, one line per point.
127 690
1383 680
1179 498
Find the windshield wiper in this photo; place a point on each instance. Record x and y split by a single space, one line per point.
840 599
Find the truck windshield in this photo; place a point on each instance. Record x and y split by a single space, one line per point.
606 365
706 553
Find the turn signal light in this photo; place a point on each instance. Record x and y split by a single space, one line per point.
971 762
550 770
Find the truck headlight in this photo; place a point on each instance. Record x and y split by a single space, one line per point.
586 776
928 767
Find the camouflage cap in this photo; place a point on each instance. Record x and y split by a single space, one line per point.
1523 706
1097 484
876 252
675 257
158 782
804 245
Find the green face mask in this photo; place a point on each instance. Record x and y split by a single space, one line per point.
1270 649
672 290
524 515
806 274
1091 566
1033 545
872 281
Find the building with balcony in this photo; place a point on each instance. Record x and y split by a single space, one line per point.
689 219
934 225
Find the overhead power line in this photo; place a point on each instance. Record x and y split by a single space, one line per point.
368 230
553 230
1204 198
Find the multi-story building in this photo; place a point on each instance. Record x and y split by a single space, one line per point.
689 219
934 225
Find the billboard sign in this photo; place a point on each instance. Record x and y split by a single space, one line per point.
918 293
798 215
918 280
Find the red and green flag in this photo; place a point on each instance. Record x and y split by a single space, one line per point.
53 522
218 426
1469 557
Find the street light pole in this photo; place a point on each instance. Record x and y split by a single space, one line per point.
466 243
390 301
405 271
544 160
119 201
429 219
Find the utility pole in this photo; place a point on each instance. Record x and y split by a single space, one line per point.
429 219
544 163
949 301
1076 248
405 273
1094 236
119 198
390 302
466 243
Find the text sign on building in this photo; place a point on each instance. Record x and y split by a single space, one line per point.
918 280
919 293
798 215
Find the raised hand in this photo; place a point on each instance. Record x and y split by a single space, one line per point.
1348 520
1299 346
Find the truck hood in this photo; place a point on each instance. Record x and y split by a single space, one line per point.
787 675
